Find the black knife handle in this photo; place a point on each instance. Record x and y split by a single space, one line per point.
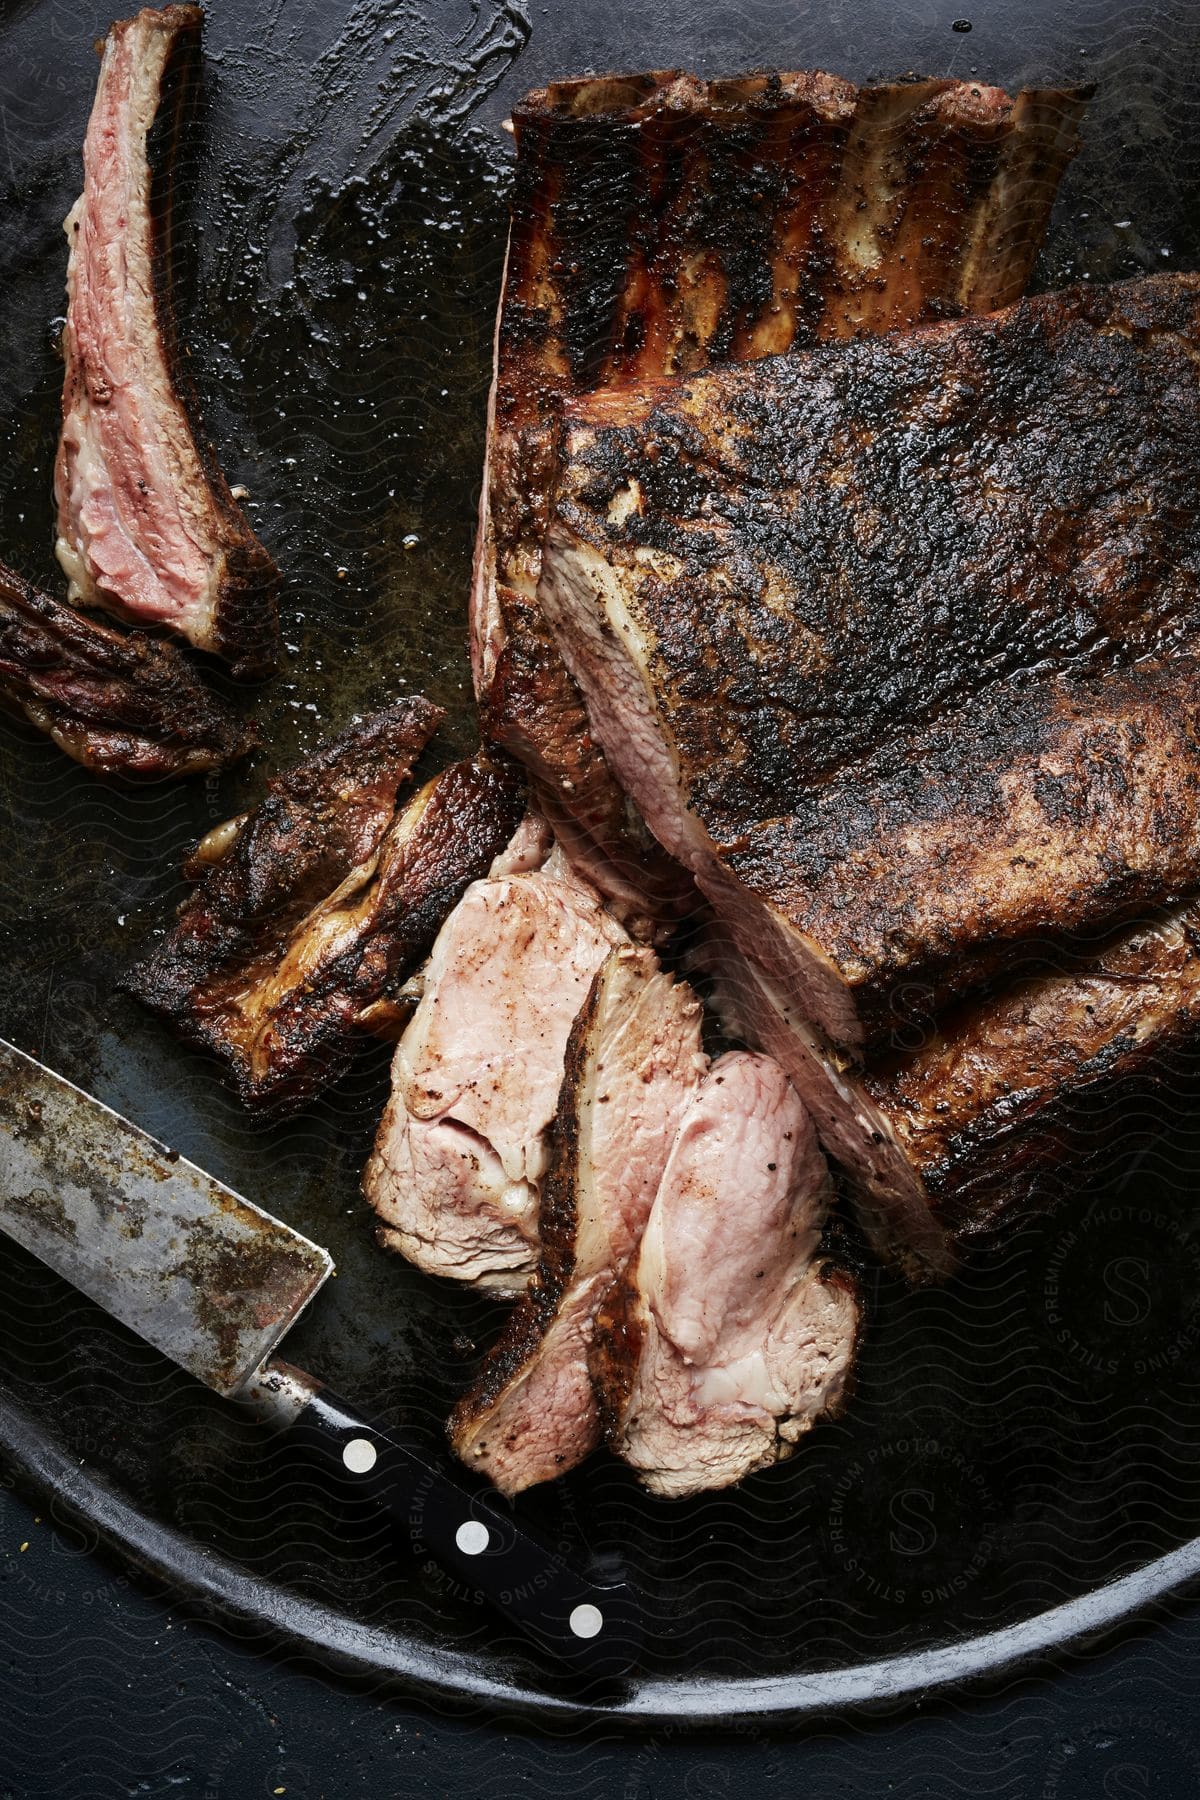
592 1628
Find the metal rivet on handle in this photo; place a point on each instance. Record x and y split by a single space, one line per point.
360 1455
586 1621
472 1537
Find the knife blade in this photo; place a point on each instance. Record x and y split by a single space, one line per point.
214 1282
207 1278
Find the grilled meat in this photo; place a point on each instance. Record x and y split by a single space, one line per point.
661 224
632 1062
463 1147
1006 1088
890 643
728 1335
147 527
310 911
120 705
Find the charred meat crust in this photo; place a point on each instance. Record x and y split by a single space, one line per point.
887 700
159 487
258 876
527 1324
666 222
616 1351
1056 809
121 705
1010 1087
444 839
661 223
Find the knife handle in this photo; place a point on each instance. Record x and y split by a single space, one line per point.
593 1628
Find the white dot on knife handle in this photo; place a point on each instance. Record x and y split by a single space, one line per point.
360 1455
586 1621
472 1537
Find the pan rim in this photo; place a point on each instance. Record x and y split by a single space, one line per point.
227 1592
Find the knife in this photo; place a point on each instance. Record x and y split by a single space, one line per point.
214 1283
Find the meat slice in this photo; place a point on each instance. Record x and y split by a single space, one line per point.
891 645
661 224
729 1334
462 1150
147 526
1005 1089
633 1061
309 911
121 705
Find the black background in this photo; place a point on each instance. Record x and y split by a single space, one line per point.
106 1689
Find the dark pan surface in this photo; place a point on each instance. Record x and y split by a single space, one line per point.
1019 1439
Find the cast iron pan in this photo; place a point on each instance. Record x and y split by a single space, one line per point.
1021 1463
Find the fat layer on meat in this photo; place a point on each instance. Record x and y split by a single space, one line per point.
461 1154
728 1335
147 526
633 1060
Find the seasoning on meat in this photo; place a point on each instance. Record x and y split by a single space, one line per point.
891 643
661 224
1007 1088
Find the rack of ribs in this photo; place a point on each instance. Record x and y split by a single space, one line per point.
662 224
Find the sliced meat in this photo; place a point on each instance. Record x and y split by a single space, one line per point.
661 224
888 1189
1006 1089
147 526
463 1147
633 1061
544 726
121 705
308 911
893 731
729 1334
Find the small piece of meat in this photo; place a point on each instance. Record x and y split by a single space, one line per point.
892 644
633 1062
729 1335
305 908
1008 1088
463 1147
122 705
662 224
147 526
